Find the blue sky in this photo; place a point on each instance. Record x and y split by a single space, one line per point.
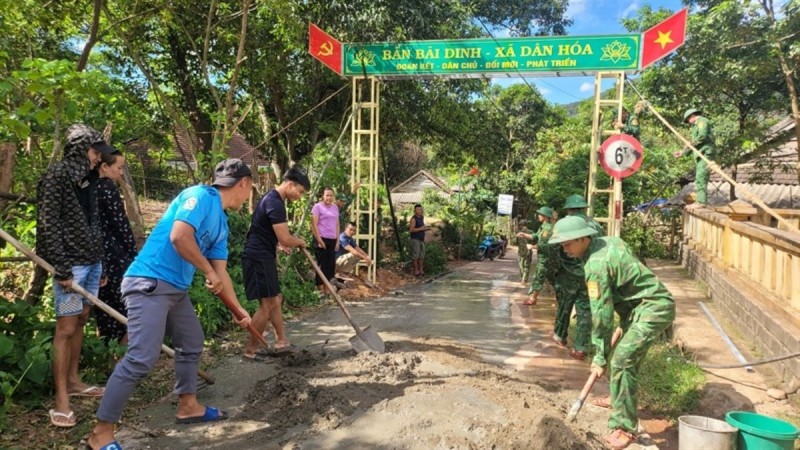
589 17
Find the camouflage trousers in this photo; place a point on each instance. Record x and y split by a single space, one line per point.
571 291
701 176
524 267
648 321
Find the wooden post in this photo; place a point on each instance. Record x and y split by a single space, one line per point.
727 245
7 151
794 276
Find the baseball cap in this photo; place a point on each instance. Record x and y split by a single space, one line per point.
83 136
230 171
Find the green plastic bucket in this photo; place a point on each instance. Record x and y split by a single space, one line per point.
760 432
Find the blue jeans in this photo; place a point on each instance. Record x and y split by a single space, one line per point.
71 303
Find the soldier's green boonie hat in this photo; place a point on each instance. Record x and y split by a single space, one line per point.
545 211
690 112
575 202
569 228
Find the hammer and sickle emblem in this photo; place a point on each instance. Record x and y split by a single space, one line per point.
326 49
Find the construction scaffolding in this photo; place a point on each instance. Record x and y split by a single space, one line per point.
613 220
364 166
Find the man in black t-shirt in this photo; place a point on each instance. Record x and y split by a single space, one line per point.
269 231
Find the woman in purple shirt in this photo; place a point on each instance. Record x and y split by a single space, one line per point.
325 226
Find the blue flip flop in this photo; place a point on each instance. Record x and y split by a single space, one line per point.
113 445
211 415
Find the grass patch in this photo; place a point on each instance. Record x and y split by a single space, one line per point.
669 384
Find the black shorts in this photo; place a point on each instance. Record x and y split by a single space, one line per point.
260 278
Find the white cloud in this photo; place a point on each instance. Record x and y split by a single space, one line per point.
501 33
629 10
586 86
544 91
576 8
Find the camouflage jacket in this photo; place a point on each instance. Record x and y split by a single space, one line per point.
631 126
702 138
546 255
617 281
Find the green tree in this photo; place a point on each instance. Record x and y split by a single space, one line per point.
722 71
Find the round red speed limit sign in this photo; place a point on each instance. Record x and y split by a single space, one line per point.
621 155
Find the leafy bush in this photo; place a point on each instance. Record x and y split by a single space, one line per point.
649 236
435 258
24 352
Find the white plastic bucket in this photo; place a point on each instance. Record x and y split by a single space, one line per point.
696 432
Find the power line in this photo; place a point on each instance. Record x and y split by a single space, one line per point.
516 69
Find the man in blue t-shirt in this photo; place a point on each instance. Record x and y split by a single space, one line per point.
269 230
192 234
349 253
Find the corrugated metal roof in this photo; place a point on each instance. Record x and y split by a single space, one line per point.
774 195
410 198
238 147
420 181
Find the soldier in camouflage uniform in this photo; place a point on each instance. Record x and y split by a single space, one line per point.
618 281
702 138
545 216
542 271
524 254
566 276
629 124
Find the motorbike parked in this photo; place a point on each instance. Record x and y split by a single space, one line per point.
491 248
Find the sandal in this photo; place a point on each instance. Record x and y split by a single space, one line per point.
577 354
90 391
211 415
557 340
113 445
602 402
283 347
68 422
619 439
255 358
529 303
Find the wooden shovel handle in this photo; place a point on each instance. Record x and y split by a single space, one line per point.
237 313
593 377
332 291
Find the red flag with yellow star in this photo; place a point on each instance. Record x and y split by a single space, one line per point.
325 48
664 38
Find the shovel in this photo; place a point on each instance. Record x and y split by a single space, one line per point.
578 404
365 340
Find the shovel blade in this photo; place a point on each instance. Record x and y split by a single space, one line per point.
368 341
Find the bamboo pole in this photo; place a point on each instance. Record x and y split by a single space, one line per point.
716 168
89 296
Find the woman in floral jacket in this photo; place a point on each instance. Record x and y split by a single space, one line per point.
118 243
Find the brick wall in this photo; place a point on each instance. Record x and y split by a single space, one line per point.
753 318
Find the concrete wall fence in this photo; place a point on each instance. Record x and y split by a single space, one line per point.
753 275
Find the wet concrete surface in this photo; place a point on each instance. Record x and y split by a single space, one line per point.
474 314
479 304
466 319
